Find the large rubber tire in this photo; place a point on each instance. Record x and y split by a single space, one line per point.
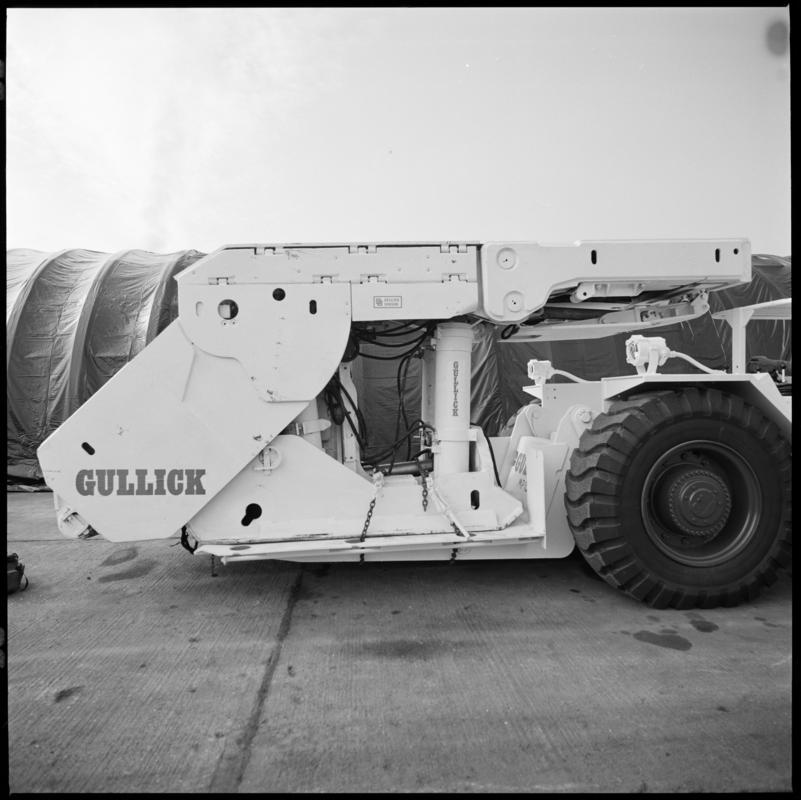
682 498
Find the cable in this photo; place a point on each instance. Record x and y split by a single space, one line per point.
492 456
674 354
389 344
570 375
361 433
420 453
332 395
410 348
400 382
401 330
406 340
492 452
413 346
373 336
416 425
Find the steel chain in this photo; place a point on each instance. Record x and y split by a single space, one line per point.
367 520
424 475
378 482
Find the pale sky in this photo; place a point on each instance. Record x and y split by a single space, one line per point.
173 129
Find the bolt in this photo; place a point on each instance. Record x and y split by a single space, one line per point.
507 258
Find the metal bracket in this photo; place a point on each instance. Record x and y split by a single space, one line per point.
310 426
268 460
634 317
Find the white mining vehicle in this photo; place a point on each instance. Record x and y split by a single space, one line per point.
239 430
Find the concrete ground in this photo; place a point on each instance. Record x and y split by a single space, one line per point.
133 668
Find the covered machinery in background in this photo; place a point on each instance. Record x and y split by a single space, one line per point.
73 319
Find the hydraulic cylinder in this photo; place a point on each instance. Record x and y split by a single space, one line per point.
453 343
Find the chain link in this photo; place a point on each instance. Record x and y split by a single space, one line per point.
424 475
367 520
378 482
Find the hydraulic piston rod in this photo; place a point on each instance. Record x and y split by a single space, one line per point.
453 344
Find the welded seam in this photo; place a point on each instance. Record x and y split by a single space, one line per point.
228 777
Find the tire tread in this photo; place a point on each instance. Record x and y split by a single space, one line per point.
596 475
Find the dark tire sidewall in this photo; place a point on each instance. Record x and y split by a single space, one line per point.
744 564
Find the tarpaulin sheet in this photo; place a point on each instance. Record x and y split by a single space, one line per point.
136 300
20 266
75 317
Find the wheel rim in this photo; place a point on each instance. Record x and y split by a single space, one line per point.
701 503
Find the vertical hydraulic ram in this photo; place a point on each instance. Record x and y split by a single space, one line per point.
453 344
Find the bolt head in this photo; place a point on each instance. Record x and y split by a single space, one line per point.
506 258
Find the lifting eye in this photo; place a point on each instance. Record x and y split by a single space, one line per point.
227 309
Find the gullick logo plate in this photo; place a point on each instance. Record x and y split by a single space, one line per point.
106 482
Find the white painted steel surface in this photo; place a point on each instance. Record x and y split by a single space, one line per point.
195 430
518 278
173 406
452 343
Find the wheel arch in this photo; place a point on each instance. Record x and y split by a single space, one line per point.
757 390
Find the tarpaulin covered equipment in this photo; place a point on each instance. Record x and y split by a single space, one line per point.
74 318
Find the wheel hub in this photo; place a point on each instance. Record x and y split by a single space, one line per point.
698 502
